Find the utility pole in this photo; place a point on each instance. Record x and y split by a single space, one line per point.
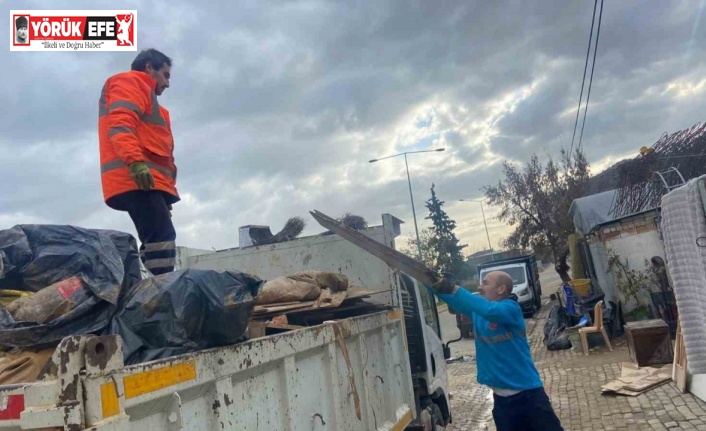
411 196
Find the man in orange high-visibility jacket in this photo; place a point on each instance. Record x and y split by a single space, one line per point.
138 173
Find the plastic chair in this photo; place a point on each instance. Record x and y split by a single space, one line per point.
597 327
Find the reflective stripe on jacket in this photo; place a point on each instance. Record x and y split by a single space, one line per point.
132 127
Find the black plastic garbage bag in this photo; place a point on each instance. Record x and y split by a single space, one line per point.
556 334
184 311
37 256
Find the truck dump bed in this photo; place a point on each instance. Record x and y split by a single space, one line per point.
351 374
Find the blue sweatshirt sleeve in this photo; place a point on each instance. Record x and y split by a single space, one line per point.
467 303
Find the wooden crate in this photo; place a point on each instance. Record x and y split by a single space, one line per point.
649 342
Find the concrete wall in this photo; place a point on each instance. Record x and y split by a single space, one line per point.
633 239
637 248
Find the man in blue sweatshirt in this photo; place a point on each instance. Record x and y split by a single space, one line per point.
503 353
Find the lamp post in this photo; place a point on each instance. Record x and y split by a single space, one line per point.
492 255
411 196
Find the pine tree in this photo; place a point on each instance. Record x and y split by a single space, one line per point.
445 245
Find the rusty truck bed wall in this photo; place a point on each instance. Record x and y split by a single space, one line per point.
347 375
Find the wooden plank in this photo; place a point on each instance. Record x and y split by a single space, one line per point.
282 309
392 257
361 293
256 329
348 303
279 304
328 313
354 294
272 325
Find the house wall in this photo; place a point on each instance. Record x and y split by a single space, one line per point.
603 276
633 239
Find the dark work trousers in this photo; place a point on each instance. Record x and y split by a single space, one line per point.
150 213
528 410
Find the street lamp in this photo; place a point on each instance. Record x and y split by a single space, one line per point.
492 255
409 183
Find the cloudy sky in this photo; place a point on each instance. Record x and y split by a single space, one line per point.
277 107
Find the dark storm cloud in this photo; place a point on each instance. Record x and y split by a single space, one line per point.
277 108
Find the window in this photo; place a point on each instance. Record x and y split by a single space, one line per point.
428 305
517 273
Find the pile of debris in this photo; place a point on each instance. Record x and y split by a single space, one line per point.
61 281
306 299
635 380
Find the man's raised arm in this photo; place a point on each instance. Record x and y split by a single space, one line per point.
467 303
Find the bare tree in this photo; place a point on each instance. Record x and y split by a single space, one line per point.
536 202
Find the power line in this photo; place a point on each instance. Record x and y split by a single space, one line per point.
595 51
583 81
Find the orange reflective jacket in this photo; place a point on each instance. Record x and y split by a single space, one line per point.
132 127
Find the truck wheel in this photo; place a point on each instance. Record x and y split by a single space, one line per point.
437 419
534 309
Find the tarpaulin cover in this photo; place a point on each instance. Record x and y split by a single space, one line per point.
591 212
36 256
184 311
